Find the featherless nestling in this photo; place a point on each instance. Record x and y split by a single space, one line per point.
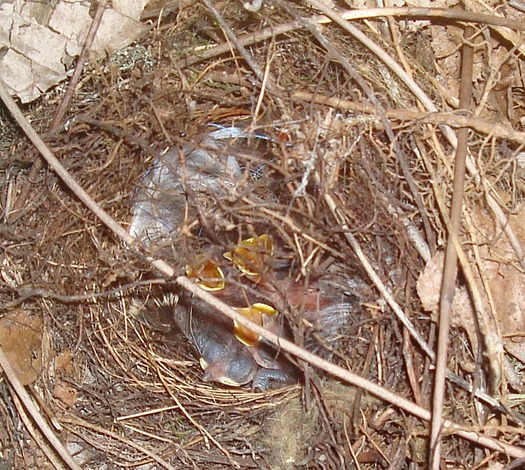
179 185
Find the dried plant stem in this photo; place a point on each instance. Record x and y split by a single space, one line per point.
438 13
117 437
46 294
63 107
79 67
354 15
71 183
448 287
287 346
235 41
44 428
346 375
484 126
196 424
265 79
44 445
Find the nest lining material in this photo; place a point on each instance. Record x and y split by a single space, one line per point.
128 369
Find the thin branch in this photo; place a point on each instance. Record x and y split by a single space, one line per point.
132 443
24 397
72 184
344 374
46 294
63 107
448 287
354 15
453 119
235 41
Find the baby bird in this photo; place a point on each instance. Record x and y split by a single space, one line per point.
229 353
223 357
160 203
203 171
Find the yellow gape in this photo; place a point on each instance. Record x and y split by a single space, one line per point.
206 273
252 256
255 313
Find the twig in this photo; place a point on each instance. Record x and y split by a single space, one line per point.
72 184
34 432
453 119
46 294
140 143
448 287
265 79
354 15
332 51
114 435
233 38
79 67
344 374
24 397
63 107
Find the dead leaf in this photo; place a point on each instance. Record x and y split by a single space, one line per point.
21 340
44 38
505 280
429 287
64 362
66 394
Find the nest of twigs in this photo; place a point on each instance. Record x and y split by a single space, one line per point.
358 174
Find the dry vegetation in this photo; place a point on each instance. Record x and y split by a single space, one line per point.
121 386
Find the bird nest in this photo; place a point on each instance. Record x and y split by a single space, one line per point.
347 160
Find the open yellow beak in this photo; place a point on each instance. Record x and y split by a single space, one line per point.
252 255
254 313
206 274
